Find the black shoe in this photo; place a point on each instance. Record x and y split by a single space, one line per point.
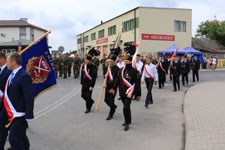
109 117
146 106
9 148
174 90
159 87
123 124
126 127
87 111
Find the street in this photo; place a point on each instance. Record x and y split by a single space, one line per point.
61 124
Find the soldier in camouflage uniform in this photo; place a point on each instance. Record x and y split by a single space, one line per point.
104 65
56 65
65 65
76 66
70 65
96 62
60 65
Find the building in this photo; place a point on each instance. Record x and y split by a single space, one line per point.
154 28
20 31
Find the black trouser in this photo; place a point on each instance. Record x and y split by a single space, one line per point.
171 76
138 87
126 109
184 77
69 70
195 73
161 80
149 85
176 82
86 95
109 100
3 130
17 134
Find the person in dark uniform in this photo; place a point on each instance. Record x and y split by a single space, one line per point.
95 61
176 67
65 65
4 74
195 68
150 76
76 66
88 78
70 61
161 68
165 63
126 82
184 69
112 76
18 102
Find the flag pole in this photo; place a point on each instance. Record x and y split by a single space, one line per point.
35 42
106 75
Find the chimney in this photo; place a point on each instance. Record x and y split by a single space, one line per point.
23 19
101 22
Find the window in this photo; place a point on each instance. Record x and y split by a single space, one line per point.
112 30
79 41
137 22
22 32
93 36
86 38
8 51
32 34
130 24
180 26
183 26
101 34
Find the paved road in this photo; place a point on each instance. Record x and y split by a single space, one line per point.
61 124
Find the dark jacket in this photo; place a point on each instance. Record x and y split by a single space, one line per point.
176 68
92 71
195 65
185 67
115 73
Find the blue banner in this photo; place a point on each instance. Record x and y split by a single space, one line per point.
37 61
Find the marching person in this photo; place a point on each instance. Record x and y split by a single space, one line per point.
184 70
195 68
126 82
138 66
65 66
104 65
18 102
95 61
113 75
76 66
88 78
150 76
60 65
4 74
176 67
161 68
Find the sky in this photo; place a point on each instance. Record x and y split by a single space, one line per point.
72 17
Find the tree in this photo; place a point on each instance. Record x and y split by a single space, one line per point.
214 30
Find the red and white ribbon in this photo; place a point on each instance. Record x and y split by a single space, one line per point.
148 72
110 74
12 113
131 88
86 72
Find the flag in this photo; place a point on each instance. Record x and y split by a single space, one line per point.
135 54
37 61
175 52
118 39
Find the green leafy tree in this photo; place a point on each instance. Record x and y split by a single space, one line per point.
213 30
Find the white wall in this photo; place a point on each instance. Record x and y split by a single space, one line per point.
10 33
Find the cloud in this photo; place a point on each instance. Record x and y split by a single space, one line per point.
71 17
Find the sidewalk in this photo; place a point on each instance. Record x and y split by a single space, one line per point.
204 108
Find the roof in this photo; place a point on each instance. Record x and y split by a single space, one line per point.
18 23
207 45
15 43
131 11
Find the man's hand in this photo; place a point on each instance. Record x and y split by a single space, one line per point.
104 86
106 75
142 82
155 82
112 91
91 89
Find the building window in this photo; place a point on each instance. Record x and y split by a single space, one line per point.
22 32
101 34
130 24
93 36
112 30
180 26
8 51
86 39
137 22
79 41
32 34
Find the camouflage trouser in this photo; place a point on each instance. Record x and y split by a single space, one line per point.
69 70
60 71
76 71
65 70
56 70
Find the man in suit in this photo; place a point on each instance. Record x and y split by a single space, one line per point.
4 74
195 68
176 67
18 102
184 69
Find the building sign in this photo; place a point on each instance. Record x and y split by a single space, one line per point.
101 41
158 37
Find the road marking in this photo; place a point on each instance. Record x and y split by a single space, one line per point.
56 104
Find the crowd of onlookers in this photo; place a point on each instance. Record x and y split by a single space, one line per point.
212 63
